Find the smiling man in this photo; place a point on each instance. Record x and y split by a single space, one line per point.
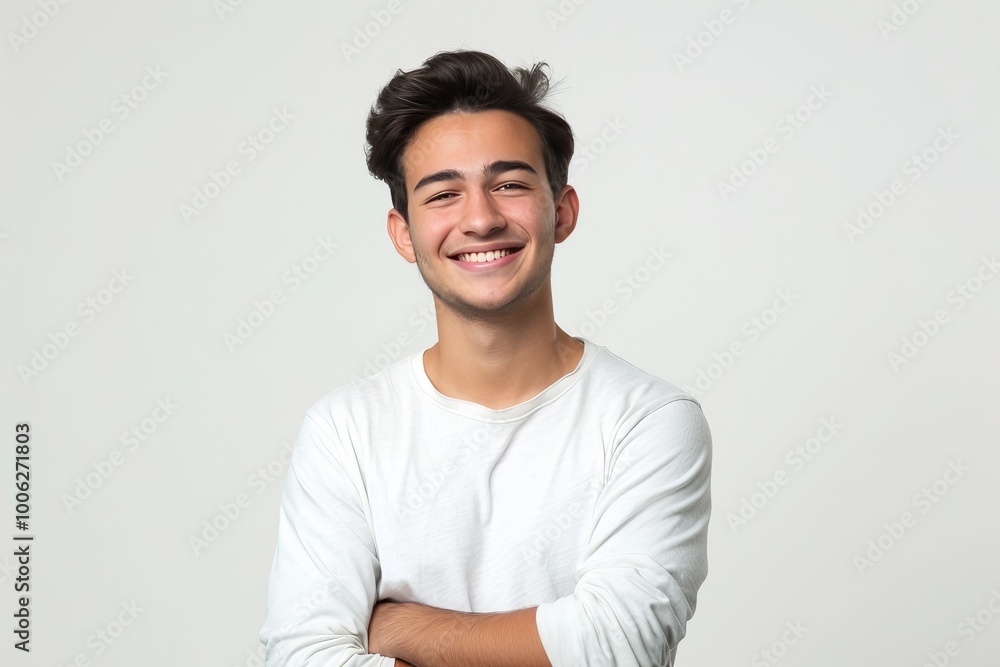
512 495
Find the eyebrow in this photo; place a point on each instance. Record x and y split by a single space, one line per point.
492 169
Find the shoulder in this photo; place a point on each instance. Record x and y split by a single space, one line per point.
638 404
642 390
361 399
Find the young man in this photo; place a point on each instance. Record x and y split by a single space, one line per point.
512 495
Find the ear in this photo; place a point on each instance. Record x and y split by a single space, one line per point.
399 232
567 210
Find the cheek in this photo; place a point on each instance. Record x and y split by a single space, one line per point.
526 208
429 230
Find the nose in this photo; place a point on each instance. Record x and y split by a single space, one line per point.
482 215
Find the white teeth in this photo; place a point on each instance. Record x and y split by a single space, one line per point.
478 257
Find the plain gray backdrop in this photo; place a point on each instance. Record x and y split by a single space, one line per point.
788 208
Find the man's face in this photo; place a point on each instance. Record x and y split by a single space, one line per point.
477 181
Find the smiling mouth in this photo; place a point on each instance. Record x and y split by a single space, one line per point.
485 257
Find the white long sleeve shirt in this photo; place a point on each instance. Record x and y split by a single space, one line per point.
590 500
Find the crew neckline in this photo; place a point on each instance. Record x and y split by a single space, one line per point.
480 412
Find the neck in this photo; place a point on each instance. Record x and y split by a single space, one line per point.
501 361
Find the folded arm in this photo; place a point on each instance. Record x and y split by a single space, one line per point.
646 558
325 570
424 635
636 585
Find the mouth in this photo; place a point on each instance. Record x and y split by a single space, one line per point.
485 257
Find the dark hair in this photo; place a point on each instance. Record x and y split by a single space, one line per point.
461 81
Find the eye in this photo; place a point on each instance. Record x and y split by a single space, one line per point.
440 196
514 185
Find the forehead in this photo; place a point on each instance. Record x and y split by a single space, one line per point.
467 141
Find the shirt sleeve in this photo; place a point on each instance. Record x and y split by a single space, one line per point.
646 556
324 575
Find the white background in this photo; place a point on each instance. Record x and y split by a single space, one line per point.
683 127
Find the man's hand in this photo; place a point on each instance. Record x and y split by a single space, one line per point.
432 637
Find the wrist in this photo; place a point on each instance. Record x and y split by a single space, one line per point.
391 630
428 633
416 630
437 635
